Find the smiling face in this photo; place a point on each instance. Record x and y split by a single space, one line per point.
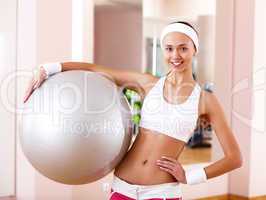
178 51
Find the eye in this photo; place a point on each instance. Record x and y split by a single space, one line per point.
184 48
168 48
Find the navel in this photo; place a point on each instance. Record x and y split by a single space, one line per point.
144 162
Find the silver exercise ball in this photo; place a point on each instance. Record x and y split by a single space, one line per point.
76 127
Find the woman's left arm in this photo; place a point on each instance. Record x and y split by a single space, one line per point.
210 108
232 156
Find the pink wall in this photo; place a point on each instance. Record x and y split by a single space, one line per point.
26 61
118 37
44 35
235 83
242 99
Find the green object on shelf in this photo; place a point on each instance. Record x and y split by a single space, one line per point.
136 104
136 118
128 94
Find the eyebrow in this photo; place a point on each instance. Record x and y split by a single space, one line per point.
170 45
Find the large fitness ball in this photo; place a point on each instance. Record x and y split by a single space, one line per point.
76 127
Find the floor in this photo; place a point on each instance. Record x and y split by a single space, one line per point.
8 198
195 155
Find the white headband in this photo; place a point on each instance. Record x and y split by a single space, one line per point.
181 28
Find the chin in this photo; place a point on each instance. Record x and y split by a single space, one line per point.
182 68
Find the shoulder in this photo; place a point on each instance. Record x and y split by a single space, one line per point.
137 81
208 103
148 81
149 78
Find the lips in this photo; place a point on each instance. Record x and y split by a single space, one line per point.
176 64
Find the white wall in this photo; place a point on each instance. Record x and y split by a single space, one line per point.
7 98
168 8
258 137
206 54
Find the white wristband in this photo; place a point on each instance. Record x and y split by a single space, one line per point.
52 68
196 176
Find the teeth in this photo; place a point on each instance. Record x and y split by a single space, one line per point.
176 63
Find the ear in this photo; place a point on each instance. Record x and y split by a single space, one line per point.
194 53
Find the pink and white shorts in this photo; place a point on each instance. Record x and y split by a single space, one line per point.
122 190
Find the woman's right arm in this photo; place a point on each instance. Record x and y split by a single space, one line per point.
124 78
140 82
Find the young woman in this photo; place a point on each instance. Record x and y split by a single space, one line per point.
171 107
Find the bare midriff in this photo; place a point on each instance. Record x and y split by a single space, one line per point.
139 165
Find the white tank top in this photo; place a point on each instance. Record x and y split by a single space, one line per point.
175 120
